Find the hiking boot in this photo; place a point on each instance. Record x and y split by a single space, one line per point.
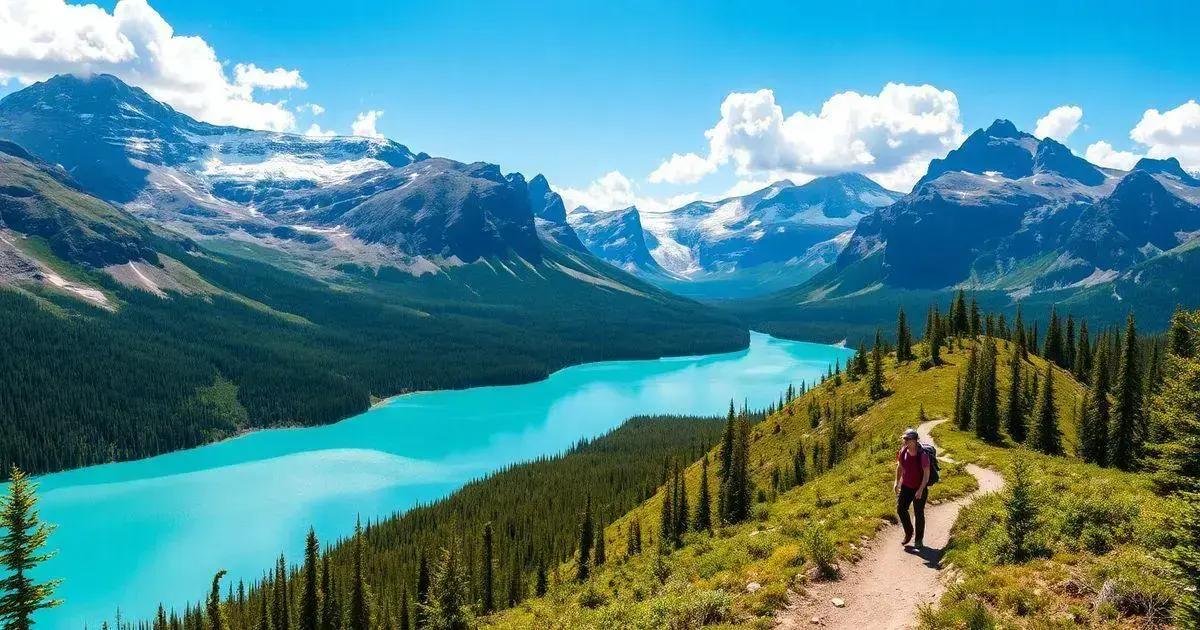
907 537
920 544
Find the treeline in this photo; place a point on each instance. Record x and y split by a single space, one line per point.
84 386
488 546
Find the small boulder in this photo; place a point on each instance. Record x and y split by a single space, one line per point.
838 602
753 587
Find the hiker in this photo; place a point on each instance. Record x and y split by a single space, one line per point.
912 478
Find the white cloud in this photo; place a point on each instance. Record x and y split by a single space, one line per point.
890 136
364 124
685 168
1173 133
1059 123
1103 154
615 191
312 108
314 131
40 38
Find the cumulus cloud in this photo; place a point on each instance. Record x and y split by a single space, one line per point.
1059 123
890 136
682 168
312 108
364 124
41 38
314 131
1173 133
615 191
1103 154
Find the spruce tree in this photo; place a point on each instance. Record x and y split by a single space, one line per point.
331 618
1181 337
540 582
1093 433
310 609
666 519
1015 422
20 554
264 617
600 555
584 559
1019 335
424 582
903 338
1021 513
976 322
727 440
360 603
799 472
405 613
1047 437
448 609
1127 435
985 409
704 500
1069 344
212 607
281 613
1175 459
1053 350
1082 365
960 320
487 574
967 398
877 388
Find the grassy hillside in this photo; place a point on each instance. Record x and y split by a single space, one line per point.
741 575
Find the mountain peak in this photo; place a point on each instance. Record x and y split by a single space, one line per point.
1001 148
1054 157
1168 166
1004 128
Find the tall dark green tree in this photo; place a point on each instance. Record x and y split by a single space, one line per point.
1047 436
976 322
736 488
799 466
1175 459
310 599
1019 335
424 582
20 554
960 323
281 611
448 608
1097 412
600 555
703 522
727 440
212 607
1082 365
683 512
985 411
264 616
488 565
1054 339
1127 413
1015 412
1021 513
967 398
541 583
586 531
877 389
903 338
331 614
360 597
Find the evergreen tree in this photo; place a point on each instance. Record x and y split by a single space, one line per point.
1019 335
360 598
424 582
20 554
1069 344
976 322
727 440
967 398
1181 337
666 521
540 582
212 607
584 558
903 338
1097 413
310 605
599 556
1047 437
633 542
488 599
331 617
1031 339
264 617
515 585
936 338
1021 513
1127 435
280 614
448 609
1176 408
959 319
405 613
1053 350
1082 365
877 388
736 489
1186 559
985 409
704 500
682 510
1015 422
799 474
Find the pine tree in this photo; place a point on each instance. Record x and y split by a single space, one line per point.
727 440
360 602
600 555
903 338
682 510
1127 435
736 489
703 521
1082 365
331 617
877 388
20 554
1053 350
1069 344
1015 422
959 319
264 617
516 591
936 338
985 408
405 613
1181 338
1047 437
310 598
280 614
1175 459
633 541
1019 335
488 562
666 522
584 559
976 322
1093 432
540 582
799 474
966 401
424 582
448 608
1021 513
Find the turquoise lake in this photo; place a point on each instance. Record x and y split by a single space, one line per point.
137 533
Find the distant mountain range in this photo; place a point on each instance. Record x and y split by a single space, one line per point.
1024 219
772 238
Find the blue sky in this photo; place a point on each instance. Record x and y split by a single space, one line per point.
578 90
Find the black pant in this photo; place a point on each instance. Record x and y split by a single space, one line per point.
906 499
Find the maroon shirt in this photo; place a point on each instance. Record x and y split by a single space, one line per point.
912 468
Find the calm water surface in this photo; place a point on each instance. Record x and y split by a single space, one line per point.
137 533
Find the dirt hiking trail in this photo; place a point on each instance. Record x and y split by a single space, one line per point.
884 588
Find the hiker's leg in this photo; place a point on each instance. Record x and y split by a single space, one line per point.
919 512
903 500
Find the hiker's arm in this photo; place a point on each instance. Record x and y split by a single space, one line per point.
924 479
896 484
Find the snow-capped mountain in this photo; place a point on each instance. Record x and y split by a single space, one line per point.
1009 211
619 238
753 243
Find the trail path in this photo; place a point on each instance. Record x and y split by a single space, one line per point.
884 588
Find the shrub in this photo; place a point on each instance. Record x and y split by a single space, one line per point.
591 598
820 550
1097 522
684 607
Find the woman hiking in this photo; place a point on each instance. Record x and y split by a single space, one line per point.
912 478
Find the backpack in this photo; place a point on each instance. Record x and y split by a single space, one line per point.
933 463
